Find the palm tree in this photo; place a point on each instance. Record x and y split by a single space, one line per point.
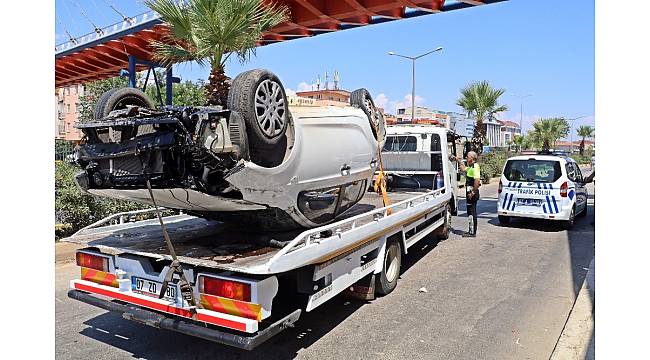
585 131
519 141
209 31
547 131
480 100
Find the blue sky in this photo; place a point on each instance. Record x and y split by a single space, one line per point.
541 47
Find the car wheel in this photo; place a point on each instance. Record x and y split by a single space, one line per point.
387 280
568 224
361 98
442 233
258 95
505 220
118 99
238 137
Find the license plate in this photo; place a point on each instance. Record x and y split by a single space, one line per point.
152 288
529 202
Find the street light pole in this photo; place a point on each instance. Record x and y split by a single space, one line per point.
413 58
521 110
571 129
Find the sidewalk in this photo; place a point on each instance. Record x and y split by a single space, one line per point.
578 337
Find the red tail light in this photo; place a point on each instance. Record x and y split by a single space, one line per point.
564 189
500 187
225 288
92 261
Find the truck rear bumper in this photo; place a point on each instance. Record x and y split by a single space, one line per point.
188 327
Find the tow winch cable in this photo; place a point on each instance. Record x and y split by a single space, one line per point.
175 267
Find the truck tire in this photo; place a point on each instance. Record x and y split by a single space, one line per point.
387 279
258 95
442 233
117 99
504 220
361 98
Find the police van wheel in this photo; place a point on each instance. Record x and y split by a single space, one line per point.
505 220
568 224
387 279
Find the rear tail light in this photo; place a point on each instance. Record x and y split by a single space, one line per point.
225 288
564 188
92 261
500 187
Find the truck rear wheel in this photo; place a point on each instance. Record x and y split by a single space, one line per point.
387 279
442 233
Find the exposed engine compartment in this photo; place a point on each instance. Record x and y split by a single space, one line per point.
184 147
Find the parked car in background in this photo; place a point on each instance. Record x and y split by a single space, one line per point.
543 186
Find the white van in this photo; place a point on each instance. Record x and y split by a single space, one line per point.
543 186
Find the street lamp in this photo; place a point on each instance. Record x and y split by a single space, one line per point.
571 129
521 110
413 58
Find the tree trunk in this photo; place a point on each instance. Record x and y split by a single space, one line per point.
582 146
216 90
479 136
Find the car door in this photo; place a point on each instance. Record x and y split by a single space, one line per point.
574 175
581 189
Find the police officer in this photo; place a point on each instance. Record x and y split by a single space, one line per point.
472 183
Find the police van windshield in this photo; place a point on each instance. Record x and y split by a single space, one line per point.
533 170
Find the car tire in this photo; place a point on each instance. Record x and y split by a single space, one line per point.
386 282
361 98
117 99
98 110
568 224
504 220
260 90
442 233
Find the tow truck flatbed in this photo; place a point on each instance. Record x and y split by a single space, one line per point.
215 245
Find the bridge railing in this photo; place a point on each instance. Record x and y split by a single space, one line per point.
106 31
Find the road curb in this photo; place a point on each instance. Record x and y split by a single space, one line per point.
577 340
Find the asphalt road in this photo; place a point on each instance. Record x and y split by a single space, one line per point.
503 295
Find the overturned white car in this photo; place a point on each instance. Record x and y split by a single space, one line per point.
257 162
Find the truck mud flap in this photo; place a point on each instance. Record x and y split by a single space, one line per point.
161 321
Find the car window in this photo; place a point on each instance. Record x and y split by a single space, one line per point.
571 172
435 142
532 170
578 173
351 194
319 205
401 143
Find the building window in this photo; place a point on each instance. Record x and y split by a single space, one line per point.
67 108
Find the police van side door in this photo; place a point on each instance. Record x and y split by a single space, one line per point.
574 174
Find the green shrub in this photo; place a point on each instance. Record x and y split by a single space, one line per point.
492 164
77 209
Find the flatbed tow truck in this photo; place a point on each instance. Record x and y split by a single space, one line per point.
251 286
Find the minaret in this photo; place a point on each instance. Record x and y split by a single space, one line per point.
327 85
337 78
318 83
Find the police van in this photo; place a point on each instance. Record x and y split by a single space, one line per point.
542 186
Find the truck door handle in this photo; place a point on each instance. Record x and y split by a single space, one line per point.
345 170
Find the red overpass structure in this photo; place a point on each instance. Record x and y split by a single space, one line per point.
125 45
